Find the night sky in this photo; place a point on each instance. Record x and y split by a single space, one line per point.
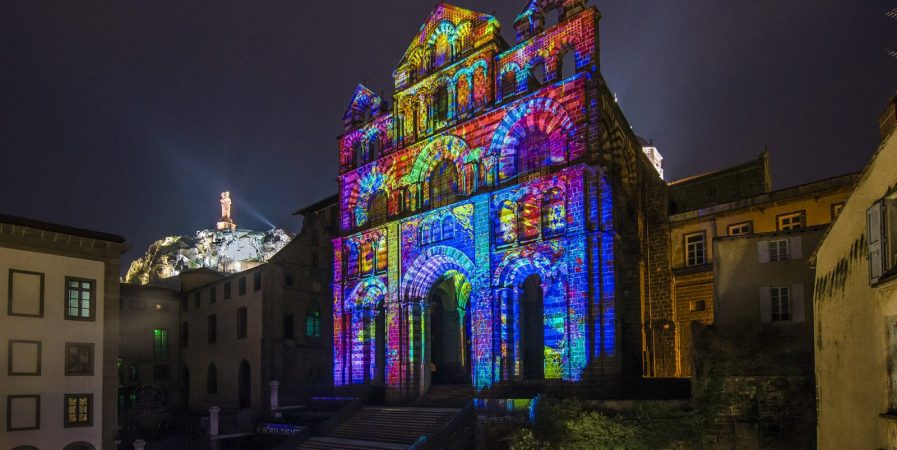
131 116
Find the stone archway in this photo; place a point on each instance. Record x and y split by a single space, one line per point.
438 286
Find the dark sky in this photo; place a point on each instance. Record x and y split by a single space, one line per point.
131 116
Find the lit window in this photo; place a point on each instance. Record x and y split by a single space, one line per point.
780 298
313 322
78 410
160 343
241 323
778 250
79 299
694 249
790 221
740 229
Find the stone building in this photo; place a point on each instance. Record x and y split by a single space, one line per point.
856 309
149 351
239 332
495 221
59 338
735 207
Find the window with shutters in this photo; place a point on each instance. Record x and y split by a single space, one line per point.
780 303
778 250
694 249
881 232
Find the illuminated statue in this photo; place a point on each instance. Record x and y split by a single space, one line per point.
226 223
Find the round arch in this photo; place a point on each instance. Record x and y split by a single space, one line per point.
543 115
432 264
81 445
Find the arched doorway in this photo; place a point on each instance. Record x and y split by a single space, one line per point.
531 307
245 385
79 446
449 330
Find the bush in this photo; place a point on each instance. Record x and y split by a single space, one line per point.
567 425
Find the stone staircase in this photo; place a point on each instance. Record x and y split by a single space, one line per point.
383 428
445 396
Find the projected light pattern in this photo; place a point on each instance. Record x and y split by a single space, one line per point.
489 201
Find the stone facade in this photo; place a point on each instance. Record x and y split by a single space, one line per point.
495 222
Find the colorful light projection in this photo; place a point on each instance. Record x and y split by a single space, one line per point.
493 207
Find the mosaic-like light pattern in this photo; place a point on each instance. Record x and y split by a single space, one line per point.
525 241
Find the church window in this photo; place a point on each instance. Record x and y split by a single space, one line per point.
378 209
352 260
508 84
554 213
443 184
533 156
441 104
448 227
382 255
505 226
367 258
529 218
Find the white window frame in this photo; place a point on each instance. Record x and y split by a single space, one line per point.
699 257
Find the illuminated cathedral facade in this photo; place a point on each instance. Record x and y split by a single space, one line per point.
494 219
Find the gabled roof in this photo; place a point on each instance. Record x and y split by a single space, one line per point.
363 99
444 12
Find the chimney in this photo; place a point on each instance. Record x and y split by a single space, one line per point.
888 119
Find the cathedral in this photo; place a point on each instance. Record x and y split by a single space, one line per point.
500 223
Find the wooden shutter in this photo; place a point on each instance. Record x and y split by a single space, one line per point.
763 252
794 248
765 305
798 310
873 231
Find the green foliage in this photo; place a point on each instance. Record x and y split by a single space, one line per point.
568 425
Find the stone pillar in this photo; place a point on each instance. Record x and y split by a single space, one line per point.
213 420
139 444
274 400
